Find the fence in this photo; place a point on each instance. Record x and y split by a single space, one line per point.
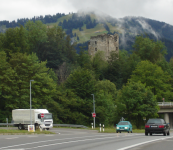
165 103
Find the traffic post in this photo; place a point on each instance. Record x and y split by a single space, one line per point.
92 125
100 127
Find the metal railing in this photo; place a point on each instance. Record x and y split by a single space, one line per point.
69 125
5 124
165 103
55 125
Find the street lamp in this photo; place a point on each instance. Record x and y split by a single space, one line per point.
93 108
30 103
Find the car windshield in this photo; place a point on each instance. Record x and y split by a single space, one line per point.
47 116
154 121
123 123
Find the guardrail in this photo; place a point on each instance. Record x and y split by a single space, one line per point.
55 125
70 125
5 124
165 103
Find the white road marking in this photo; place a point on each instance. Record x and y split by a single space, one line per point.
114 136
12 138
70 142
49 135
32 136
124 148
169 140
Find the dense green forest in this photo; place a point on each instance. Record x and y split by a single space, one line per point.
64 80
45 19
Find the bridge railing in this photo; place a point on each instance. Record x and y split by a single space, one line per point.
165 103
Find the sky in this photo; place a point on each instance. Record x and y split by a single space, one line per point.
160 10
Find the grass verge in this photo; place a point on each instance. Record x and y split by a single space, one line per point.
106 130
113 130
11 132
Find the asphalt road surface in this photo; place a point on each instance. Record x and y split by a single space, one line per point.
79 139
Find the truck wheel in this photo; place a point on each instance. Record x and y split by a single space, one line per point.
47 128
20 126
36 126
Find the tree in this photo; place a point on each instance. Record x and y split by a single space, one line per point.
15 40
70 108
105 102
106 86
135 101
36 34
120 67
15 80
99 65
154 78
148 49
57 49
81 81
7 86
84 59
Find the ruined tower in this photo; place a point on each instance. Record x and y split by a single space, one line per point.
104 42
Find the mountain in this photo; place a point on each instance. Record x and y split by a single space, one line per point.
82 25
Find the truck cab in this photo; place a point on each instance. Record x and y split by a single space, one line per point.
44 120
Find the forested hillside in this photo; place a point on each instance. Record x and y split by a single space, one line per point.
64 80
82 25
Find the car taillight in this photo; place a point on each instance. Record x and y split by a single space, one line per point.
161 126
147 126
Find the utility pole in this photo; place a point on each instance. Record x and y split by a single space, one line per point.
30 104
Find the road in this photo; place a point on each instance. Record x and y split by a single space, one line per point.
79 139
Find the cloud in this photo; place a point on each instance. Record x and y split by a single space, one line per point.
153 9
14 9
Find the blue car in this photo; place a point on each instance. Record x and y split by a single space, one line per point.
124 126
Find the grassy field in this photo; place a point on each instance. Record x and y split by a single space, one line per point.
86 34
12 131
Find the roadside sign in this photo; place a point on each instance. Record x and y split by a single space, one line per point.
163 99
42 115
144 118
31 128
93 114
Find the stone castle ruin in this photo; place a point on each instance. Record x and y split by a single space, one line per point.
104 42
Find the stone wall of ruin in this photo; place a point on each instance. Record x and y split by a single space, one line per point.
104 42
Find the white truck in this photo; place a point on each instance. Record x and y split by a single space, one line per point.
40 118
